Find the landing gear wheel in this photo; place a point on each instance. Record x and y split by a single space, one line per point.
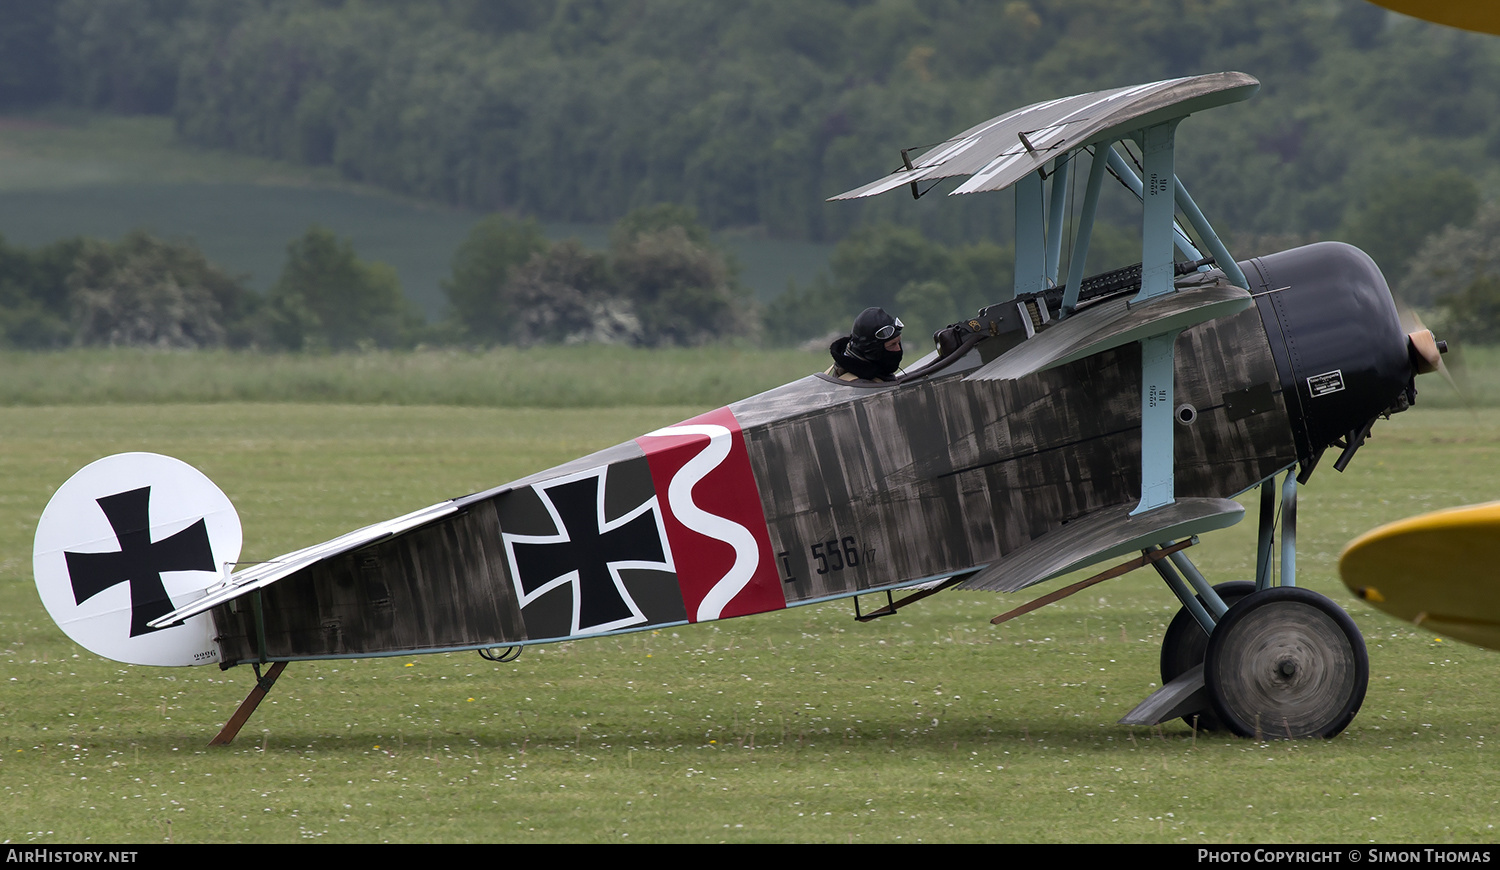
1183 645
1286 662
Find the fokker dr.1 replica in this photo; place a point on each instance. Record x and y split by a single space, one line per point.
1074 421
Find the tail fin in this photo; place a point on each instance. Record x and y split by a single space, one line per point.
128 539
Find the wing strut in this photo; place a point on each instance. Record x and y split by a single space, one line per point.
1190 209
1057 209
1039 231
1126 174
1158 228
1079 257
1031 241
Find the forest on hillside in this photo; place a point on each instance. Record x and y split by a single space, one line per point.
1369 126
752 113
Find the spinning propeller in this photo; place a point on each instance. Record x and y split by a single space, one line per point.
1425 349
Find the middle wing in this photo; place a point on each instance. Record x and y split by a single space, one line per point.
1113 323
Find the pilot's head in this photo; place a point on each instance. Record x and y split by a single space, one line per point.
876 337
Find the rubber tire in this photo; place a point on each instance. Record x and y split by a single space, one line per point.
1286 663
1185 642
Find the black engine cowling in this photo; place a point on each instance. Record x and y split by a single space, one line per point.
1337 340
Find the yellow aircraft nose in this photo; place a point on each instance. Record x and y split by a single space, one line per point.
1436 570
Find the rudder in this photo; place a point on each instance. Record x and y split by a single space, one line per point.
127 539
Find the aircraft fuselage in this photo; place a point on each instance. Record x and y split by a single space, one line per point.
821 488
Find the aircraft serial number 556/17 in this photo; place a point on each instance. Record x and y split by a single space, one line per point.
836 555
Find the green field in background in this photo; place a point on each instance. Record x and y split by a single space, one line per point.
508 377
804 726
557 376
95 175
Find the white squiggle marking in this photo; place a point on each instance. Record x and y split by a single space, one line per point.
680 497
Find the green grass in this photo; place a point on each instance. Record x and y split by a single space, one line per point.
801 726
552 377
1475 370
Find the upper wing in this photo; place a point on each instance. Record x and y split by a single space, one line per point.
1003 150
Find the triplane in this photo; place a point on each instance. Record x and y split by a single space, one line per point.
1074 421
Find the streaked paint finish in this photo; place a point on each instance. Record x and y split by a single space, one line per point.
861 487
938 477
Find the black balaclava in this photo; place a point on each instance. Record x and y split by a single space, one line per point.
864 354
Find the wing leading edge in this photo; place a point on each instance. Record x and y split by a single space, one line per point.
1003 150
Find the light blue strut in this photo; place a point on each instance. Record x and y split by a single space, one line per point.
1031 244
1158 225
1039 233
1080 255
1189 208
1038 252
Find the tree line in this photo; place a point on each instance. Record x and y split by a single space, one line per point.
752 113
745 116
144 291
662 282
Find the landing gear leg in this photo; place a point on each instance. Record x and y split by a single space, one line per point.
1185 642
1262 660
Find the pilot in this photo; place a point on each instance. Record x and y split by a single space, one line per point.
872 349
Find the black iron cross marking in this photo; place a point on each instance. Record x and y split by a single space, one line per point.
585 546
139 561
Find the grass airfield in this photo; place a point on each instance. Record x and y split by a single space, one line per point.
930 726
804 726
